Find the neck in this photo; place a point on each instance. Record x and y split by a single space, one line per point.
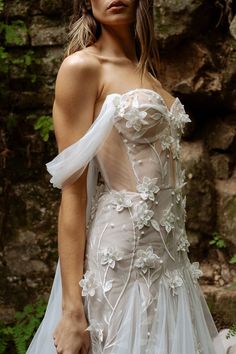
117 41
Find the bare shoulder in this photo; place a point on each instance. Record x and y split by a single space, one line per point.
79 70
77 88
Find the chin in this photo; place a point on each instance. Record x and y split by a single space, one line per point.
117 19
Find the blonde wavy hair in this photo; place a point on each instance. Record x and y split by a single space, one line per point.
85 30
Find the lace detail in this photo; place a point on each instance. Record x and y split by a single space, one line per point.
109 256
120 201
196 273
175 281
147 259
142 215
180 118
148 188
171 143
183 244
168 219
89 283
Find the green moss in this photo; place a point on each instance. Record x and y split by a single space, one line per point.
19 334
14 33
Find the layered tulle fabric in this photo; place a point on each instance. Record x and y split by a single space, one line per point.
140 291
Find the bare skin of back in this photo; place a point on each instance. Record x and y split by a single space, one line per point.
84 80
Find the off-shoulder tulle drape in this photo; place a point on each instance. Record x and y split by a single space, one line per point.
68 165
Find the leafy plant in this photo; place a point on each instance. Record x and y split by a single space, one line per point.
233 259
13 33
44 125
1 6
231 331
217 241
21 332
4 57
25 61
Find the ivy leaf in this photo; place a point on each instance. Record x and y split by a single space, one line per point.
44 125
233 260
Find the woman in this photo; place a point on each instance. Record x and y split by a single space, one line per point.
124 283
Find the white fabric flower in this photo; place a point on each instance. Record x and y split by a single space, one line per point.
146 259
183 244
175 281
147 188
180 117
120 201
89 283
142 215
170 143
135 118
166 139
97 329
196 273
168 219
109 256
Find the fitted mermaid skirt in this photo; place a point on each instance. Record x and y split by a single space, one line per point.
139 289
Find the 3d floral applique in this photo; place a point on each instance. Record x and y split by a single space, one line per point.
180 118
89 283
142 215
120 200
168 142
183 244
148 188
166 139
175 281
168 219
136 119
196 273
109 256
147 259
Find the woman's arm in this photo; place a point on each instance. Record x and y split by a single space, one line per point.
76 91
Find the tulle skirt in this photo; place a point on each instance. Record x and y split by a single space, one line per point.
136 299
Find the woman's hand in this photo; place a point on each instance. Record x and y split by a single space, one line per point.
70 336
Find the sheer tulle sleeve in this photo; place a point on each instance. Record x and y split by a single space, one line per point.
68 165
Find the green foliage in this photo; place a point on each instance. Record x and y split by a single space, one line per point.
44 125
217 241
233 259
4 60
14 33
22 331
231 331
1 6
26 60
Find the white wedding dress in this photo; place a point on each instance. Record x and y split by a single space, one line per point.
140 291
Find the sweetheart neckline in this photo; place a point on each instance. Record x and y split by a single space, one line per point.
169 109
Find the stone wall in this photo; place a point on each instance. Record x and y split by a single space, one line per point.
197 43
